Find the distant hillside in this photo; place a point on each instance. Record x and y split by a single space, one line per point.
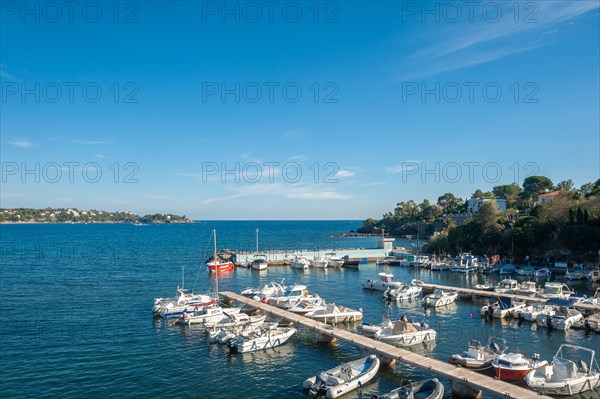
74 215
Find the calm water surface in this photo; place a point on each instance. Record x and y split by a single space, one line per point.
77 320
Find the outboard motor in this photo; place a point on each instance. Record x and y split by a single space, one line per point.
494 347
232 345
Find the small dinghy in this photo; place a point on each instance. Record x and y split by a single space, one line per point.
344 378
426 389
566 376
440 298
386 281
332 314
269 337
478 357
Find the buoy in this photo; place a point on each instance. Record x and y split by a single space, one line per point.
471 315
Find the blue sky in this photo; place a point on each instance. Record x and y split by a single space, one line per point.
388 101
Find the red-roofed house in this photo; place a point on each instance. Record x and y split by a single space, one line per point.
547 197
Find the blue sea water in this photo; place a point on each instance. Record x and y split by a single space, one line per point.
76 312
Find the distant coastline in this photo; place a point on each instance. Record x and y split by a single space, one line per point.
76 216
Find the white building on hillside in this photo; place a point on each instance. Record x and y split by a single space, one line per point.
474 204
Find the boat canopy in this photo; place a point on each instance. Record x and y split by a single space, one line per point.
560 302
402 327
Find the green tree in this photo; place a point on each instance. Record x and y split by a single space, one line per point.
510 192
534 185
450 203
565 185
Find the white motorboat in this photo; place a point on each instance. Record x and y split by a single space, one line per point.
590 323
426 389
556 290
293 296
595 300
514 367
233 325
385 261
465 263
333 314
502 308
404 293
439 265
300 262
369 329
265 292
531 312
334 260
185 300
528 288
406 333
259 262
206 315
235 319
386 281
263 338
479 357
305 307
320 262
573 371
564 317
487 286
420 261
440 298
344 378
507 286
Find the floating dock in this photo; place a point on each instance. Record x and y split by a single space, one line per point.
454 373
587 307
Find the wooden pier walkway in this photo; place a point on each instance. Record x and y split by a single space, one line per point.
588 307
447 370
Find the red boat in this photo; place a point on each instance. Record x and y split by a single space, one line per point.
220 266
515 366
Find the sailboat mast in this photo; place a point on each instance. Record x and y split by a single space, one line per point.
216 264
257 241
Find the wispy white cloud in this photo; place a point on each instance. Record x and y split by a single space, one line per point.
406 165
469 43
21 143
291 191
376 183
6 75
320 195
91 142
100 156
344 173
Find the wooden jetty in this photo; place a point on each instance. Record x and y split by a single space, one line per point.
455 373
587 307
